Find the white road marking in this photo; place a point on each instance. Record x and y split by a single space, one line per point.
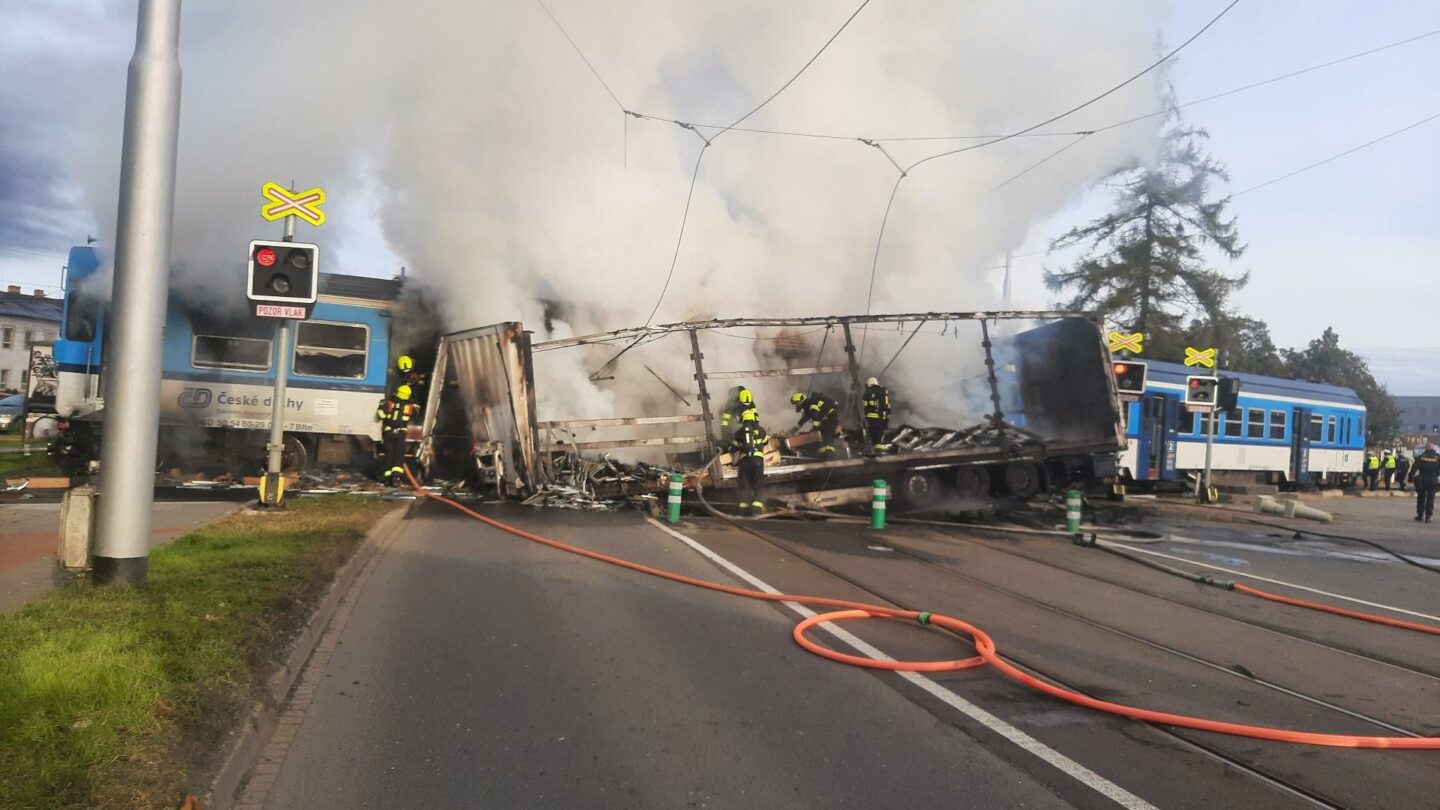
1273 581
1054 758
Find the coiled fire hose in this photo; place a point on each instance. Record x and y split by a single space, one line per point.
984 646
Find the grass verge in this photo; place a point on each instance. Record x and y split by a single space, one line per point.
120 697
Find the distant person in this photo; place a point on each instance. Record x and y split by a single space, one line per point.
1372 470
821 413
1425 472
395 413
1388 468
877 413
1402 467
747 453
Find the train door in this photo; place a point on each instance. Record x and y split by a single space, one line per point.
1300 445
1155 453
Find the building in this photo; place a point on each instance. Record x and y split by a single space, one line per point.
24 321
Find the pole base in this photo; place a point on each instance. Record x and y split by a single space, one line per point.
119 570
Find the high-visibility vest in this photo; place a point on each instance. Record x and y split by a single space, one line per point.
1374 463
1389 462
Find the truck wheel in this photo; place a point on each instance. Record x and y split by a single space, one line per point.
918 489
971 482
1022 479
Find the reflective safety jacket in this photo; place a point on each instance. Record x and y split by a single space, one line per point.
877 402
817 409
735 410
1389 462
749 441
394 414
1373 463
1426 467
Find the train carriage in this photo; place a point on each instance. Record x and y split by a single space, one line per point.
1287 431
218 373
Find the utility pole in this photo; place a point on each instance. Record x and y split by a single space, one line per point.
1005 290
142 280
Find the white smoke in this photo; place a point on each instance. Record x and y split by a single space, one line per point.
506 176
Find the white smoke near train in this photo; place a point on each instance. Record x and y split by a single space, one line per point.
504 176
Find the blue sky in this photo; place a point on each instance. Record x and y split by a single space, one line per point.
1350 245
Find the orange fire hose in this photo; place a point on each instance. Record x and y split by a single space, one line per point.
984 645
1354 614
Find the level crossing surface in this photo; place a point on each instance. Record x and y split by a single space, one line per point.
476 669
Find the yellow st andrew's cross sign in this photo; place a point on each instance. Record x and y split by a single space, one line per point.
1200 357
1132 342
283 203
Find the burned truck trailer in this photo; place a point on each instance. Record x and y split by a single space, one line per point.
1034 406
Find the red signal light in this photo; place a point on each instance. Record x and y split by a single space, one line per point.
265 257
1121 368
1194 383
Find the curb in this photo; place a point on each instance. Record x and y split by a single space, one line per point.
263 717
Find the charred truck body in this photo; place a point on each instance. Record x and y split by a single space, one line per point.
1035 406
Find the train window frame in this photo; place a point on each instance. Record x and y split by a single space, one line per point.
1333 433
1201 425
248 368
82 316
1277 423
1255 423
1316 431
1232 428
365 352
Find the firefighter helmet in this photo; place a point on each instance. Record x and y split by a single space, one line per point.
872 381
404 363
797 398
746 397
749 415
402 393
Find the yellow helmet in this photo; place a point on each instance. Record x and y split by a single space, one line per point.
749 415
746 397
797 398
404 363
402 393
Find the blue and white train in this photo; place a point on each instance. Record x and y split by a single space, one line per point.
1288 431
215 393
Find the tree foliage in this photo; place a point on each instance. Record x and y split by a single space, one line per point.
1324 361
1144 269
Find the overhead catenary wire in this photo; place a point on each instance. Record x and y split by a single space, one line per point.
1352 150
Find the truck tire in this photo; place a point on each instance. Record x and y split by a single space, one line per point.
1022 479
918 489
971 482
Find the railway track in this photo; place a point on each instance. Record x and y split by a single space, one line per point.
1196 742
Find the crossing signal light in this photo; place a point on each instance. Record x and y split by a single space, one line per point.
1200 390
1227 398
1130 376
284 272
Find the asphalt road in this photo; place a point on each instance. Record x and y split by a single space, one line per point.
478 670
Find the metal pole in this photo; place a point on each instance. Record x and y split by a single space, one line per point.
699 358
1005 295
274 483
1210 441
855 390
142 278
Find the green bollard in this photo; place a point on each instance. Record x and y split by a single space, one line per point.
879 496
673 501
1073 501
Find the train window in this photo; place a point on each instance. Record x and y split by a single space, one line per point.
226 351
1317 427
331 349
1277 424
82 312
1256 425
1234 428
1333 435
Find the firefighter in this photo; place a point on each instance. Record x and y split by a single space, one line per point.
1372 470
821 413
1425 472
877 413
1402 467
405 374
395 413
741 400
747 453
1388 468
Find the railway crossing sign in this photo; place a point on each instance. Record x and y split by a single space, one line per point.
1200 357
1132 342
284 203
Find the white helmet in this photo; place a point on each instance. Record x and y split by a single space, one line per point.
872 381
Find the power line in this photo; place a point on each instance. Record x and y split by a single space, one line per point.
1033 166
802 69
679 239
37 254
1336 157
581 54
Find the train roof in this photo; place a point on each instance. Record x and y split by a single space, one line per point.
1175 373
366 287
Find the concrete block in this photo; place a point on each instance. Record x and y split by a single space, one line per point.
77 528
